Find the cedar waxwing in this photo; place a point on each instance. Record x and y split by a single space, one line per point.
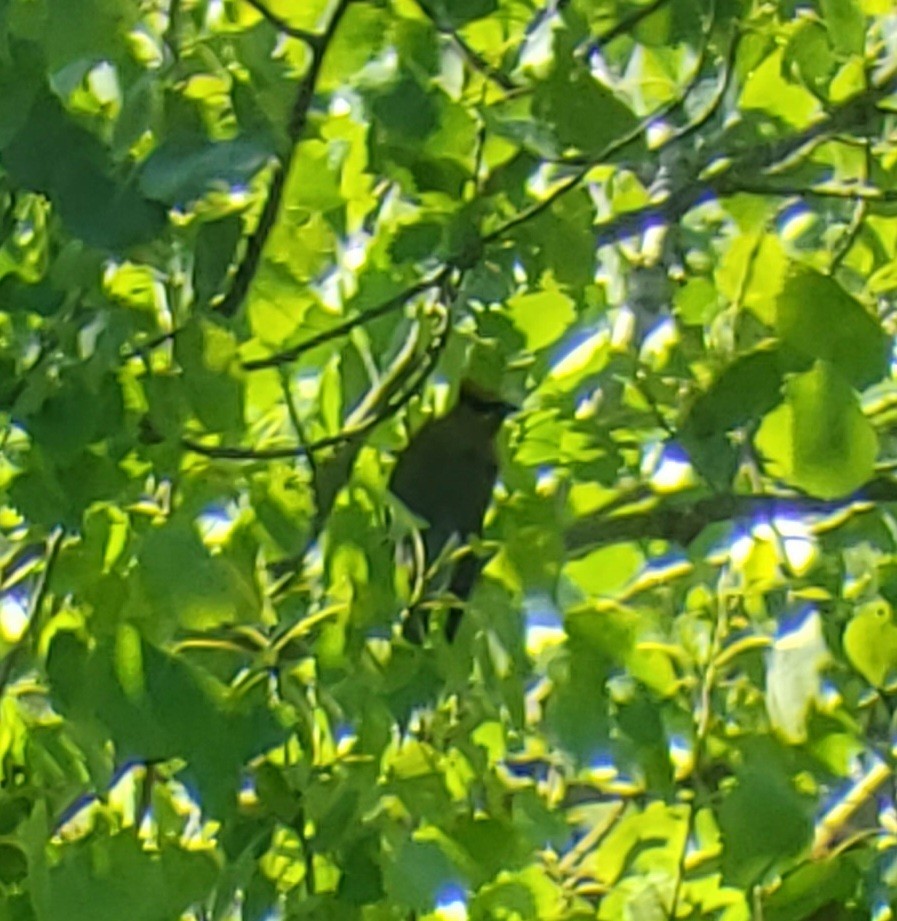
446 476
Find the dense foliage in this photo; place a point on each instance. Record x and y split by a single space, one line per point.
247 247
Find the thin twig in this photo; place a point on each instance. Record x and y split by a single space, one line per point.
845 193
471 55
860 211
348 434
534 210
397 386
845 115
624 26
728 181
609 151
396 302
144 348
680 520
701 120
170 37
673 912
293 414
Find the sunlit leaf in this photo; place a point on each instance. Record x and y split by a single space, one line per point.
870 641
818 439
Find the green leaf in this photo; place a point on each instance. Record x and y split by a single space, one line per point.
314 182
81 412
576 714
767 90
818 319
182 171
809 52
813 887
364 884
584 113
416 874
53 493
640 722
186 584
404 109
95 205
542 316
13 810
870 642
604 572
818 439
755 265
21 80
530 893
697 301
846 25
763 821
558 243
98 880
93 32
13 864
170 710
457 13
492 844
416 242
648 838
216 246
212 377
283 502
746 389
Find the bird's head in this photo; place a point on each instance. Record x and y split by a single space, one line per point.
488 407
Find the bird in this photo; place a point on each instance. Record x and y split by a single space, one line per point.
446 477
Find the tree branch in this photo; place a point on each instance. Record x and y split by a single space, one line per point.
680 521
727 181
625 25
610 150
697 123
375 411
471 55
845 193
279 23
396 302
301 107
400 384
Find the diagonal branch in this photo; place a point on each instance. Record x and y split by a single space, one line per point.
378 406
610 150
313 38
471 55
396 302
726 181
247 268
403 380
625 25
618 227
695 125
